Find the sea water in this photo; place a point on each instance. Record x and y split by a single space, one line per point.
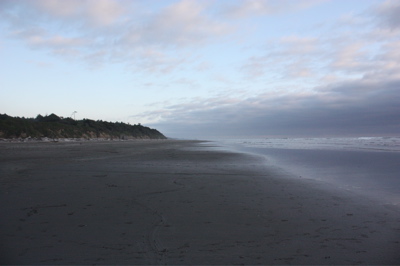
363 165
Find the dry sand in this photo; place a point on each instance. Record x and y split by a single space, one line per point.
171 202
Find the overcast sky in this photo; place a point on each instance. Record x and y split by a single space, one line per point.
206 68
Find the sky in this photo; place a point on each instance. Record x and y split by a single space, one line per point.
206 68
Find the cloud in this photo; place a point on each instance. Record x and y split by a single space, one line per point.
93 13
360 107
59 8
387 14
343 51
248 8
117 31
350 58
154 60
38 38
56 41
296 45
290 56
180 24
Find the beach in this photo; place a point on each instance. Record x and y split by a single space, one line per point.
179 202
370 169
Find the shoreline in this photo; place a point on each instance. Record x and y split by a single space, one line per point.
369 173
178 202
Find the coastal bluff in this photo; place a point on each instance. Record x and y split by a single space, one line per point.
56 127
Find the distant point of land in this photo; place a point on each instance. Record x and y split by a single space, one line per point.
56 127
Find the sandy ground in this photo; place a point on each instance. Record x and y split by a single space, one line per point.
171 202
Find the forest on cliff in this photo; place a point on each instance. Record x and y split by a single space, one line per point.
55 127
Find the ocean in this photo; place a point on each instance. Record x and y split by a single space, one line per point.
369 166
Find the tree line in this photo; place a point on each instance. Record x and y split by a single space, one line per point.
53 126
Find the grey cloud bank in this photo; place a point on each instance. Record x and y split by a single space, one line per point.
349 109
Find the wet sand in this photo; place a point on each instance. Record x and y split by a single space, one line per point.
172 202
374 174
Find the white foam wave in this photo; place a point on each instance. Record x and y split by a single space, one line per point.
359 143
